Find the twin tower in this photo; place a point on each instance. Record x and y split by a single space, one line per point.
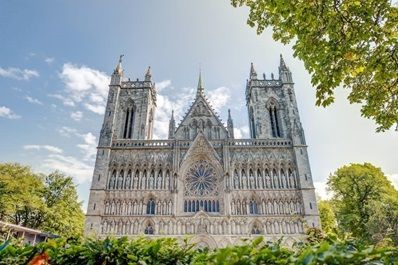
202 181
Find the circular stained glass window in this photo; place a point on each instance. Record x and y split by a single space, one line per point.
201 179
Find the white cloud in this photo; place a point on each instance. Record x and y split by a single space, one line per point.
241 132
49 60
165 105
8 113
17 73
219 97
78 170
89 148
84 85
76 115
33 100
162 85
49 148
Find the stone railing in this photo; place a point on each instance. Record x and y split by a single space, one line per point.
127 143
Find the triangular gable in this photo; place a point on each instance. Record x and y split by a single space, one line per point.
201 109
199 148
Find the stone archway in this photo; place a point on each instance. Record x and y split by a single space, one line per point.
204 241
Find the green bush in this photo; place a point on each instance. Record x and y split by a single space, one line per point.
169 251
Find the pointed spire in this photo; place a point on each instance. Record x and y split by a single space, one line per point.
253 73
201 89
282 62
172 126
230 125
148 74
119 69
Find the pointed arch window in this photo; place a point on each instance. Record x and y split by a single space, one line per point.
252 124
275 123
149 230
129 123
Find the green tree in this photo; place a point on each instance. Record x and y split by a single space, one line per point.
21 195
327 215
48 203
365 202
351 43
64 215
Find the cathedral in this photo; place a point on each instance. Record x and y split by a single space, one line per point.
202 181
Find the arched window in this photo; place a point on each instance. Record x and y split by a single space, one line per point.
252 124
255 230
275 124
129 123
149 229
150 207
112 180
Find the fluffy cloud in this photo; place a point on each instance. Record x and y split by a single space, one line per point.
219 97
76 115
78 170
33 100
85 86
89 145
49 148
241 132
163 84
17 73
8 113
89 148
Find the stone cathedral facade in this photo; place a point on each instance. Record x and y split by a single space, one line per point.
201 181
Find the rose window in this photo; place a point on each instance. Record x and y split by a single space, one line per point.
201 179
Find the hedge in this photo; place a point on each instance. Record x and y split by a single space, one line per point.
166 251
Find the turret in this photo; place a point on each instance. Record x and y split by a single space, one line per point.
253 73
118 73
230 125
148 74
284 73
172 126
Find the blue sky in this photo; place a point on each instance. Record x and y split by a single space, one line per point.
56 58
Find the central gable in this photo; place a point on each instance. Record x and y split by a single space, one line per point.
201 118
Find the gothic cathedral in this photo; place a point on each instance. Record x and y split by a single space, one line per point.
201 181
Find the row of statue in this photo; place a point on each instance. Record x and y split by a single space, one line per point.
134 207
202 226
264 179
139 180
266 207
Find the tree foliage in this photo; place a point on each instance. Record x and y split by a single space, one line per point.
48 203
365 203
349 43
327 216
166 251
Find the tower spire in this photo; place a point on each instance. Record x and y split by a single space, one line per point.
201 90
148 74
253 73
172 125
282 63
230 125
119 69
